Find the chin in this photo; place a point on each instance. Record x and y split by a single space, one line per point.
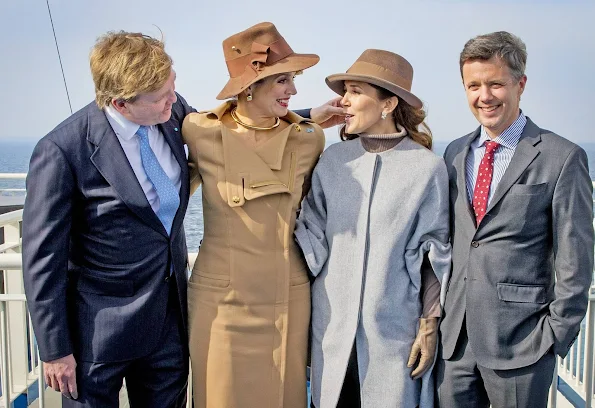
280 112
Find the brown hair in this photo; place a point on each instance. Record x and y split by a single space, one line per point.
412 119
125 65
506 46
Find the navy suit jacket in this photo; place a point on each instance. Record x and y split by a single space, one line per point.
96 259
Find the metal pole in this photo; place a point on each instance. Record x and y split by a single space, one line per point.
41 384
554 388
589 350
5 372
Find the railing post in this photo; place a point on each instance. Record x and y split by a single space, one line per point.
16 313
4 340
554 387
589 350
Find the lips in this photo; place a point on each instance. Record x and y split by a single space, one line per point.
283 102
488 109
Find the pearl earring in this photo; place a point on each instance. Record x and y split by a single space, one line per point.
249 98
383 115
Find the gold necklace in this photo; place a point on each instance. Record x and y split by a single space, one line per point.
247 126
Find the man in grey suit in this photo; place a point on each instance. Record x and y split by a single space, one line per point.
522 235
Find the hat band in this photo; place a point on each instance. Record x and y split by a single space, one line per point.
259 55
379 72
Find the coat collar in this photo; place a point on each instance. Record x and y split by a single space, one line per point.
524 154
254 172
460 166
111 162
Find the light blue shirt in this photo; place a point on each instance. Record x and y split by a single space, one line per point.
125 130
508 141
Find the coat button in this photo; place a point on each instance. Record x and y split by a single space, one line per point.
298 128
474 244
235 199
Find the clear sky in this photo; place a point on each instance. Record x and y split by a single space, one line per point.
560 38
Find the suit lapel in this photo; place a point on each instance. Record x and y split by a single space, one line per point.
111 161
174 140
524 154
461 168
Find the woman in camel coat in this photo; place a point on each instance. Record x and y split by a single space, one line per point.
249 292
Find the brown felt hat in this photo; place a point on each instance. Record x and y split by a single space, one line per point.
256 53
381 68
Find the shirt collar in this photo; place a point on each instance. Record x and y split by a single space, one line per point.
510 137
123 128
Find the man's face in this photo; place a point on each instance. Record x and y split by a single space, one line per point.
493 93
151 108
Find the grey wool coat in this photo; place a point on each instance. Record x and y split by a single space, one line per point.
364 228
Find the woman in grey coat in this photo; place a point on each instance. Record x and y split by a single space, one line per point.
374 230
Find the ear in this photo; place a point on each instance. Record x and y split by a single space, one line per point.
120 105
522 83
390 104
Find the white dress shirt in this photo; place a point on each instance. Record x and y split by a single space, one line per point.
125 130
508 141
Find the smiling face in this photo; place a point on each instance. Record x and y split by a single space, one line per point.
363 108
270 97
150 108
493 93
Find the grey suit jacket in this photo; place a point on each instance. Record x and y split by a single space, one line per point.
520 279
96 258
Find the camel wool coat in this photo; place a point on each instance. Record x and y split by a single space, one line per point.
249 292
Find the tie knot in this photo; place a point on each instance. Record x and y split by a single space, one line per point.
143 132
491 146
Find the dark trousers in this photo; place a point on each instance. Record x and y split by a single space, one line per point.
350 392
158 380
463 383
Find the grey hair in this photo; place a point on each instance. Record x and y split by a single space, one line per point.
504 45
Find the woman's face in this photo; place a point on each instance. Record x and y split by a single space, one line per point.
363 108
270 98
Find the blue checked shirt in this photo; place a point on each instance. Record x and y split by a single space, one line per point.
508 140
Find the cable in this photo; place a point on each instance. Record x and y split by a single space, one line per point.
59 57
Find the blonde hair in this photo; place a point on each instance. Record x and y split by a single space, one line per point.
410 118
125 65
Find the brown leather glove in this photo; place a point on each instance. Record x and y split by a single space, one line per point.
424 346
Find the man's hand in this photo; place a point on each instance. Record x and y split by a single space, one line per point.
328 115
60 374
424 346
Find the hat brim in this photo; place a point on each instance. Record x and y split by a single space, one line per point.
291 63
336 83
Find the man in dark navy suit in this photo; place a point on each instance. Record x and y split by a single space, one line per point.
104 251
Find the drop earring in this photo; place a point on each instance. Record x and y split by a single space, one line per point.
383 116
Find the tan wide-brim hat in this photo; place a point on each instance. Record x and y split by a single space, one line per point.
256 53
381 68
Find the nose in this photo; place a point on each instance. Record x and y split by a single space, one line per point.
485 93
291 89
173 97
345 100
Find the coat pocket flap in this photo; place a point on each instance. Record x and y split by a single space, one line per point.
509 292
528 189
104 286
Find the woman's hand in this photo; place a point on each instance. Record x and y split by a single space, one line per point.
424 346
328 115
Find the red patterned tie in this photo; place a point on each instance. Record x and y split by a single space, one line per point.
482 184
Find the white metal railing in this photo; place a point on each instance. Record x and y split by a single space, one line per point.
21 367
12 176
577 368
